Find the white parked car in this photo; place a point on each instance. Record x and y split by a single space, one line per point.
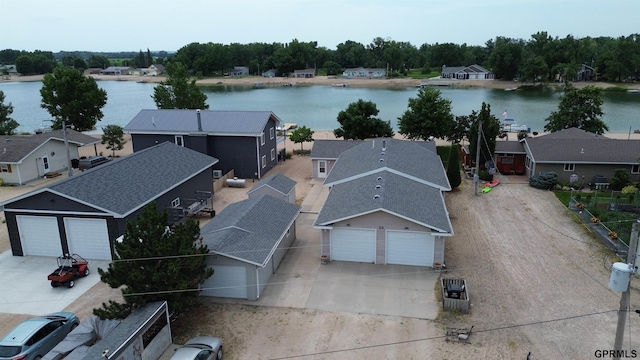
200 348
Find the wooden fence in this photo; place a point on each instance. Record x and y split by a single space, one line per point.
459 304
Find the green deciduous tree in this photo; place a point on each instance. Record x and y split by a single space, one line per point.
178 91
358 121
7 124
72 97
113 136
580 108
153 263
453 167
98 61
428 115
301 135
460 130
24 65
505 57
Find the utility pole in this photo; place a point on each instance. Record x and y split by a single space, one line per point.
624 300
476 177
66 145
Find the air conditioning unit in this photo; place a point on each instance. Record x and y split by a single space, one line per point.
217 174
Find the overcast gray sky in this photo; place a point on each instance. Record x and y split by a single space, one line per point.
119 25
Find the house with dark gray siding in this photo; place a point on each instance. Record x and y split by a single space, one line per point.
85 213
386 205
247 242
242 141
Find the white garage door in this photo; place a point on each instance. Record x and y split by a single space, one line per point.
357 245
39 235
226 281
88 238
410 248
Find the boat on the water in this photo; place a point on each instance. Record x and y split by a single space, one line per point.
510 125
44 127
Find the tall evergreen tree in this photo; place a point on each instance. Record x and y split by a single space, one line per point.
153 263
453 167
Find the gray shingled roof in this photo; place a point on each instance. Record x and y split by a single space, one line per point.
74 137
331 149
250 230
122 186
410 158
398 195
577 146
181 121
514 147
278 182
15 148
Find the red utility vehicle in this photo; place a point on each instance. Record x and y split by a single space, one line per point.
69 268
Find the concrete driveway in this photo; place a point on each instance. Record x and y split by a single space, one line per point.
26 290
302 282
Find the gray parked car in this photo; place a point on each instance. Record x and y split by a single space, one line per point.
35 337
200 348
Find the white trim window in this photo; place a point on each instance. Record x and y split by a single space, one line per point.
264 161
273 154
271 133
569 167
262 139
179 140
4 168
635 169
175 203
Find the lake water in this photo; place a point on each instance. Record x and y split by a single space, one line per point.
317 107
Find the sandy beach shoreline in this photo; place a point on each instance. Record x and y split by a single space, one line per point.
328 81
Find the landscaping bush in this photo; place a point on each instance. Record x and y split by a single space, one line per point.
620 179
546 180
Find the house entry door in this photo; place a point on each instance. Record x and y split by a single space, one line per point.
45 164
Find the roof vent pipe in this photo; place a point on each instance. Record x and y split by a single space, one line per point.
199 120
384 145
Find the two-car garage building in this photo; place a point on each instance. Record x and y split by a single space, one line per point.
85 213
386 205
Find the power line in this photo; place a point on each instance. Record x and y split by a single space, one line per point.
506 327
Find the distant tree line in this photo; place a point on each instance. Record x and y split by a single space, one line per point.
43 62
541 58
